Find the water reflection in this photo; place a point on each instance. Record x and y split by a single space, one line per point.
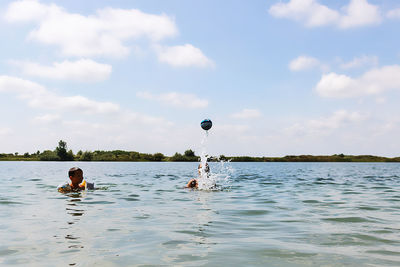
75 209
203 219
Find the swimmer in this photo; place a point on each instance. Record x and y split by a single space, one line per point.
193 183
77 183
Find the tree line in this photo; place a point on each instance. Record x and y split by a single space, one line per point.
61 153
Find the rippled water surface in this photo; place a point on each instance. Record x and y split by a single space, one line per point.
265 214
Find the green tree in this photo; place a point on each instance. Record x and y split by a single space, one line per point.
48 155
189 153
86 156
70 155
62 153
159 156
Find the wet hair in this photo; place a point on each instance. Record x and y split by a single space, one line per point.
74 170
193 184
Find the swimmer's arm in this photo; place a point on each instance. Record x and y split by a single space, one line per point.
63 188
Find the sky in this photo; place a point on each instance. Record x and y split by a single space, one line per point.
277 78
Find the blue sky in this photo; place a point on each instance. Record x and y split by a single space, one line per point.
276 77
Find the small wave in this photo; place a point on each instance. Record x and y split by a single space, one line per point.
374 239
347 219
253 212
174 243
195 233
384 252
121 175
5 252
351 193
383 231
280 253
130 199
311 201
367 208
9 202
97 202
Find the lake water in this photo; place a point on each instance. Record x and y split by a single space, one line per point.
263 214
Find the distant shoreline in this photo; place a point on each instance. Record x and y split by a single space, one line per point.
61 153
188 156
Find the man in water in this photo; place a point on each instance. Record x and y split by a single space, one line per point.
193 183
77 183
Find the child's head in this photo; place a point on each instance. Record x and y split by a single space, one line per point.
76 175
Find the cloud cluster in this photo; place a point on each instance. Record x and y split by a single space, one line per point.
118 120
304 63
183 56
372 82
39 97
84 70
175 99
394 14
358 62
324 125
313 14
103 33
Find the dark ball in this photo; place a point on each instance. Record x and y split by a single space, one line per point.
206 124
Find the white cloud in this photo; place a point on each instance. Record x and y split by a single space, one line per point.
29 10
39 97
103 33
313 14
359 13
183 56
83 70
372 82
247 114
303 63
393 14
325 125
360 62
100 125
308 11
176 99
45 119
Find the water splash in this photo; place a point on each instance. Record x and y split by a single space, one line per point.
212 179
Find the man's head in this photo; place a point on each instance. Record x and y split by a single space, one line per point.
76 175
193 183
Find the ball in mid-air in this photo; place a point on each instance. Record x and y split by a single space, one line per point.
206 124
